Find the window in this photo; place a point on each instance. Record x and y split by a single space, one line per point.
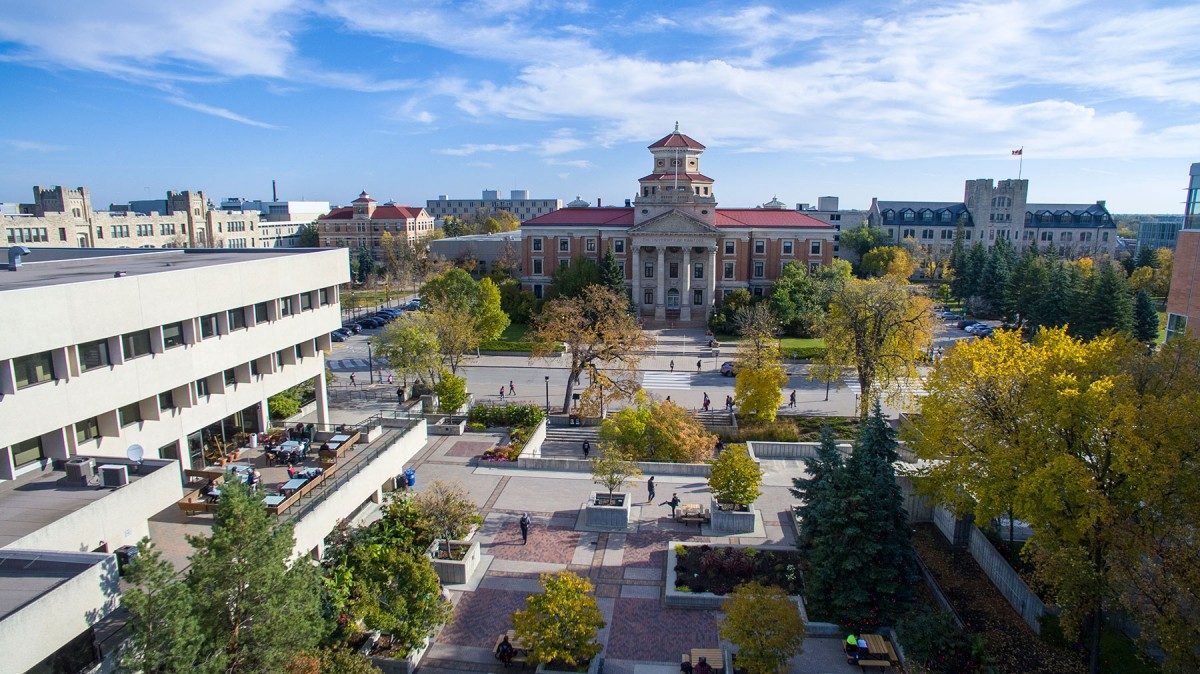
87 429
760 246
1176 326
945 217
323 295
166 400
208 326
759 268
261 314
697 297
34 369
537 265
279 360
787 246
564 262
673 269
129 414
618 245
202 388
172 335
1104 236
947 234
648 297
730 246
537 291
94 354
728 270
835 217
757 292
135 344
537 245
286 307
1065 236
814 248
649 270
230 377
698 270
590 245
926 216
25 453
564 245
926 233
305 301
909 216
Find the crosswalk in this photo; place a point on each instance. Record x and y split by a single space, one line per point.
349 364
908 388
671 381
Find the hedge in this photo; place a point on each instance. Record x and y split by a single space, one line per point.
510 414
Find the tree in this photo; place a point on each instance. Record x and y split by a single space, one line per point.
882 330
448 508
862 239
451 390
1111 305
1142 278
561 623
1145 258
611 274
758 325
455 226
758 388
1145 318
283 405
463 313
518 303
613 470
799 298
997 271
818 493
254 609
306 236
735 478
765 625
1164 267
656 430
888 261
722 320
366 264
344 661
411 347
571 279
595 327
164 633
936 644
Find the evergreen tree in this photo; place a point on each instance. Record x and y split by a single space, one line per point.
973 270
1111 302
1050 309
1146 258
1080 291
817 493
611 274
1145 318
997 270
164 635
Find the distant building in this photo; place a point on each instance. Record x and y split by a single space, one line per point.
518 203
363 223
1158 231
1183 302
991 211
486 250
279 221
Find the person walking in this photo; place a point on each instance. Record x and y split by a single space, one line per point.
512 390
400 396
792 400
728 403
389 379
650 490
587 447
672 365
673 502
352 379
707 402
502 390
697 366
524 528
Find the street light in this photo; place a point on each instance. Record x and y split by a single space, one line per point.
547 394
370 365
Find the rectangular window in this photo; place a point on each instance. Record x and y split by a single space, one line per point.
129 414
230 377
537 291
563 262
323 295
305 301
564 245
254 368
237 318
261 313
537 245
537 266
648 297
25 453
759 268
787 246
208 326
698 270
697 297
649 273
87 429
618 245
728 270
172 335
814 248
760 246
1104 236
730 246
135 344
202 388
166 400
1176 326
279 360
590 245
673 269
757 291
94 354
286 306
34 369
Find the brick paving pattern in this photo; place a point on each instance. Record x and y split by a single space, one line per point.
649 548
642 629
481 616
554 545
468 448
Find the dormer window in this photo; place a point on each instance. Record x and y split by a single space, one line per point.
946 216
909 216
926 216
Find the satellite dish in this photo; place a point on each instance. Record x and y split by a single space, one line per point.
135 453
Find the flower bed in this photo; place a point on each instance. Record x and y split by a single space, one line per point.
501 453
704 568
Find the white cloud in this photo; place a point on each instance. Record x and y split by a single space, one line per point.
215 111
32 145
474 148
571 163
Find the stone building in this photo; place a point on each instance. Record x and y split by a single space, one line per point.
679 252
362 224
991 211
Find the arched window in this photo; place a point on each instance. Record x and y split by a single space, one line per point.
673 298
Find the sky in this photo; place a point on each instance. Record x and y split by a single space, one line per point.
900 100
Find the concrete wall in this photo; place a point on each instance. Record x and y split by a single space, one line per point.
44 625
119 518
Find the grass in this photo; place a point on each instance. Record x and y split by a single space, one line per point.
1162 327
795 429
512 340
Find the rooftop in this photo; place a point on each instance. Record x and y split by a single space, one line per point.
726 217
26 575
38 499
383 212
514 235
54 266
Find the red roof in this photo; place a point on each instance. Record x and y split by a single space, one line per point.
676 139
384 212
726 217
698 177
362 197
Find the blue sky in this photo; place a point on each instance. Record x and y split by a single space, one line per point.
408 100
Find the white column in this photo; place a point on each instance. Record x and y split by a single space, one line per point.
711 300
264 415
636 283
660 294
322 397
685 297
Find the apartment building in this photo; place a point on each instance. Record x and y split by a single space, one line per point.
363 223
183 351
518 203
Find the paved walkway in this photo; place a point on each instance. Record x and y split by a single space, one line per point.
642 635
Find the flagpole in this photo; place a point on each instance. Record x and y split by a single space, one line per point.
1021 162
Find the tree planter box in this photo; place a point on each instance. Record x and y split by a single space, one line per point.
406 665
455 571
708 600
733 521
447 426
615 516
593 668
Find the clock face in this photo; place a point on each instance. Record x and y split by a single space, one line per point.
660 162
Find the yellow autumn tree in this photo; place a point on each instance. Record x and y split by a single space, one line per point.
765 625
656 430
560 624
882 329
758 390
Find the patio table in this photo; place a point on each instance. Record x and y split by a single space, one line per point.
338 439
876 644
274 499
293 484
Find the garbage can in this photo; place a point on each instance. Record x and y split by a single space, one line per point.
410 475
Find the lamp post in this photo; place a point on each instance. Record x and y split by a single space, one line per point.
547 394
370 365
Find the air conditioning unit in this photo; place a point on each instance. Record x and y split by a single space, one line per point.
114 475
80 470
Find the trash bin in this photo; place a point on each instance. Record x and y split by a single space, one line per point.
410 475
126 554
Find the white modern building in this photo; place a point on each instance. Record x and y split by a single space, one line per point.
167 349
279 221
518 203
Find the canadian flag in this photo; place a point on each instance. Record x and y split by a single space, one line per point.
1018 152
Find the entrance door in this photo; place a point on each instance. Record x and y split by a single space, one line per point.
673 298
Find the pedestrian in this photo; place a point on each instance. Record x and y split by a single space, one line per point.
668 398
792 400
352 379
587 447
400 395
706 402
697 366
728 403
524 528
512 390
502 390
673 502
650 490
672 365
389 379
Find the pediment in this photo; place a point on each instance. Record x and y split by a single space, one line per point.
675 222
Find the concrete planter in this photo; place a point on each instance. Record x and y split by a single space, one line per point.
402 665
608 516
593 668
733 521
447 426
455 571
708 600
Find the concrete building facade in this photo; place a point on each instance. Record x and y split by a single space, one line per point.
184 351
518 203
279 222
679 252
363 223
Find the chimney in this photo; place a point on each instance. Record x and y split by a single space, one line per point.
1100 203
597 202
274 196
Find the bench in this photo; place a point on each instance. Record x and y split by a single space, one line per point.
883 665
699 519
520 655
892 654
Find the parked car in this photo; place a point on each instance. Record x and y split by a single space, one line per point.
371 323
337 336
352 327
344 332
985 331
413 304
964 324
950 316
727 369
976 328
392 311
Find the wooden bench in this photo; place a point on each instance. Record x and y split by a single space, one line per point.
194 504
883 665
520 655
892 654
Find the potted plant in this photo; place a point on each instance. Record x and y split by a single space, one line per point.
558 627
610 509
451 513
735 483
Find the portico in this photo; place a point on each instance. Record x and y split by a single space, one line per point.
674 267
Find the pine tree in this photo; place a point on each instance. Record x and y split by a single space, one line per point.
997 270
976 261
958 262
1146 258
1145 318
817 492
164 635
1111 306
1052 307
611 274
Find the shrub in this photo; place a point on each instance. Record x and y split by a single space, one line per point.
765 625
510 414
283 405
502 453
451 391
476 426
561 623
804 352
735 477
935 642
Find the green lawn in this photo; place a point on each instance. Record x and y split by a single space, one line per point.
511 340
